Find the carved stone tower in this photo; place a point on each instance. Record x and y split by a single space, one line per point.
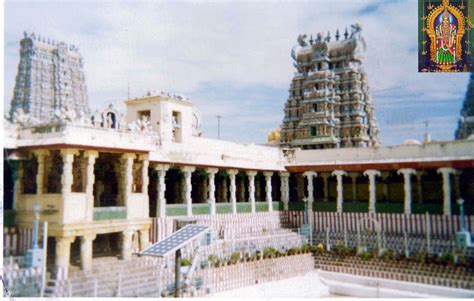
50 76
466 121
329 104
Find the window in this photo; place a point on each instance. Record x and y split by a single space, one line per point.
312 131
315 107
142 114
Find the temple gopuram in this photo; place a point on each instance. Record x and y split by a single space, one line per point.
329 104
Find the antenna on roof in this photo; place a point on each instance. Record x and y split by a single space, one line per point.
427 136
218 126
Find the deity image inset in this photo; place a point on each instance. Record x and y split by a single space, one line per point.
446 38
444 31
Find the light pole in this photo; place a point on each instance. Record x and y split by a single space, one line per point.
36 209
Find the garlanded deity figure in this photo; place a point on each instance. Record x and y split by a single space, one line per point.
445 39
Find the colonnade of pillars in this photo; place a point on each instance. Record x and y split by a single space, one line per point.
372 174
211 189
63 249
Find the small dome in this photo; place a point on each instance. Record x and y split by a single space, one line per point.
274 136
411 142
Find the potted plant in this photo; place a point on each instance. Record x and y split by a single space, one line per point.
306 249
365 255
213 260
320 248
269 252
235 257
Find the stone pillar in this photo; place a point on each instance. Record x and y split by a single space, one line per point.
340 192
233 200
446 172
385 176
161 169
127 178
372 173
353 176
407 172
144 238
86 251
127 244
285 189
187 172
40 155
67 177
251 175
326 185
90 180
212 189
63 253
309 175
419 186
146 180
268 190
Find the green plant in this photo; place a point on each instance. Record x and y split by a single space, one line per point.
342 250
306 248
320 248
235 257
294 250
269 252
366 255
447 257
213 259
421 257
185 262
388 254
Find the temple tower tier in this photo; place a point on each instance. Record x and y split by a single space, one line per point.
466 120
329 105
50 77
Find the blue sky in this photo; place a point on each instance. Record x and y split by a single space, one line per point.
233 58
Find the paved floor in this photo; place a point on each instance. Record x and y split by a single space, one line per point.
308 285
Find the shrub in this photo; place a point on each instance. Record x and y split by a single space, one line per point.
319 248
269 252
213 259
366 255
421 257
185 262
388 254
294 250
235 257
306 248
447 257
342 250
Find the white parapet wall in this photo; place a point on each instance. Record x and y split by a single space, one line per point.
429 152
211 152
90 137
368 287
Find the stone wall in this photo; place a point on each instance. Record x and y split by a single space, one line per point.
259 271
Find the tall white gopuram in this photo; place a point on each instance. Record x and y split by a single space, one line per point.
50 77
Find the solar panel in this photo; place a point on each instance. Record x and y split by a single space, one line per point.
176 240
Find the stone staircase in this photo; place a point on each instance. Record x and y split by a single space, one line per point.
111 277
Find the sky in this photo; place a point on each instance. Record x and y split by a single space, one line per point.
232 58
